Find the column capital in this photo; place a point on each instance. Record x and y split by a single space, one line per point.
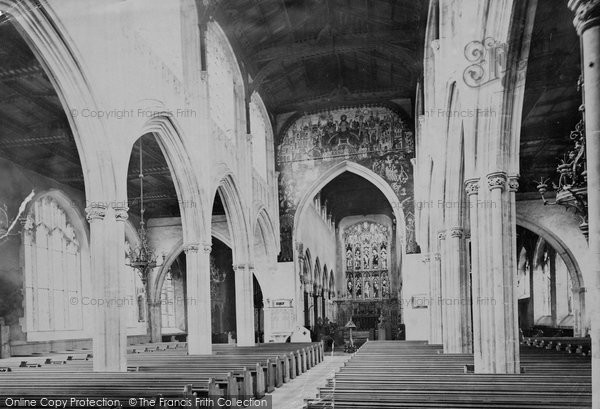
497 180
587 14
472 186
191 248
243 266
437 256
426 258
513 183
206 247
457 232
121 213
95 212
441 235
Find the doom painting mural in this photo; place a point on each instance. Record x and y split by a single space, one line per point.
374 137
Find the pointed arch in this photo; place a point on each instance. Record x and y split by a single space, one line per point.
308 275
55 51
237 220
267 231
561 248
317 274
370 176
170 139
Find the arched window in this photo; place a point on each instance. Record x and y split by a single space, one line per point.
52 250
366 263
221 86
167 302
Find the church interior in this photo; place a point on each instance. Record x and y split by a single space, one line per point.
300 203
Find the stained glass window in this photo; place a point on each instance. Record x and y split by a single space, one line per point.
366 260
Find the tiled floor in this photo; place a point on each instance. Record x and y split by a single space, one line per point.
292 394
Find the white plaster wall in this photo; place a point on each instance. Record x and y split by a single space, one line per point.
415 283
316 236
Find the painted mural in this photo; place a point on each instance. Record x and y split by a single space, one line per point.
374 137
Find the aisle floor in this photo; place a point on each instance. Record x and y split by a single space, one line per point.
292 394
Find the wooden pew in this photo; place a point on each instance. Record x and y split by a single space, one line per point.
407 375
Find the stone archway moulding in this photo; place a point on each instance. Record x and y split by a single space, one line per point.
561 249
54 49
368 175
187 185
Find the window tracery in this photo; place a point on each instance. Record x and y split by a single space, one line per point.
52 269
367 260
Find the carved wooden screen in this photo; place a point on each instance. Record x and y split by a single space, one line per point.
367 261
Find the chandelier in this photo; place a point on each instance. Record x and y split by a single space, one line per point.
143 258
571 190
6 225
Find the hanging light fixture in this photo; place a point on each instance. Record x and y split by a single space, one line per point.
143 258
6 225
571 190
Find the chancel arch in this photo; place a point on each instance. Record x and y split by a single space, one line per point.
348 197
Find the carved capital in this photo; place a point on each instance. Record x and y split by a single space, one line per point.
121 213
442 235
207 247
472 186
191 248
243 266
437 256
95 212
497 180
513 183
457 232
426 258
587 14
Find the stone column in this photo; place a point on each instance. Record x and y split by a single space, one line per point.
300 293
577 310
504 351
154 319
457 299
447 324
472 188
427 267
244 304
199 326
435 308
310 305
587 22
107 240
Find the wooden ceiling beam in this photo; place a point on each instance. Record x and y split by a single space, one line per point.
272 67
34 70
38 101
312 48
333 99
